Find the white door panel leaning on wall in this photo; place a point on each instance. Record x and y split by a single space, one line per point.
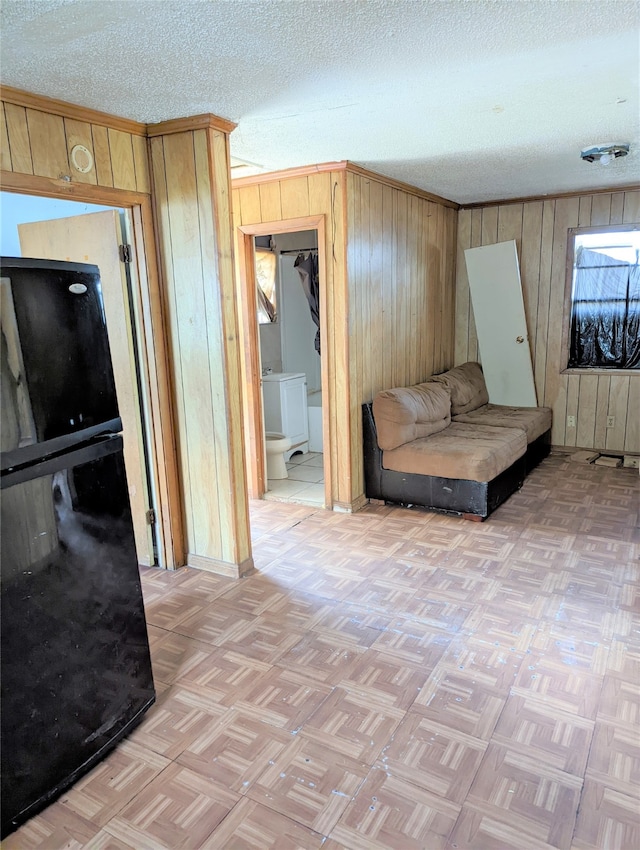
498 310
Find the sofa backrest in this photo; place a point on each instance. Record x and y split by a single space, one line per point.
467 387
408 413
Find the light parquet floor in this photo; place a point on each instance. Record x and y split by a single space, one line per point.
390 679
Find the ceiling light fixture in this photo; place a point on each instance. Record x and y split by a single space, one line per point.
604 154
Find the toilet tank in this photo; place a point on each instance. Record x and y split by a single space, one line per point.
284 397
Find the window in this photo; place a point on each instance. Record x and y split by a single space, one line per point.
604 322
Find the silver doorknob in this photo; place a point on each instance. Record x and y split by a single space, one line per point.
519 339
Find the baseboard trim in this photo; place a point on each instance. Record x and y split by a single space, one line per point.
221 568
351 507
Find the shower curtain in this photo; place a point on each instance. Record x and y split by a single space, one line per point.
307 267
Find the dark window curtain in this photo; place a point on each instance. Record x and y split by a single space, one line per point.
309 276
605 315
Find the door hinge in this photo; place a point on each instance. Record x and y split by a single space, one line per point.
151 517
125 253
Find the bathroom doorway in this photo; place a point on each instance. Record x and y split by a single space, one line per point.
284 372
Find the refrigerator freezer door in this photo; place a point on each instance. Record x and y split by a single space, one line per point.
75 666
57 381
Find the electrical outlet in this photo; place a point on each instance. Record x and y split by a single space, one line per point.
611 421
571 421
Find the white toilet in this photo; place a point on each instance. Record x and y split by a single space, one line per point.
276 446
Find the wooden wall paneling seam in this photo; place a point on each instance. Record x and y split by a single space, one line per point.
217 448
122 163
530 269
601 210
250 205
163 222
294 197
378 305
617 208
48 144
270 202
632 430
462 289
431 278
618 406
478 220
602 411
219 166
631 212
566 217
19 142
102 154
388 288
5 150
584 211
256 472
141 163
79 133
353 245
544 302
156 365
192 336
421 213
320 193
573 394
417 325
345 463
586 410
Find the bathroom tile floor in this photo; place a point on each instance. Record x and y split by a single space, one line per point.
390 680
305 484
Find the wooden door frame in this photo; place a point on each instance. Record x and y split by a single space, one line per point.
250 350
163 459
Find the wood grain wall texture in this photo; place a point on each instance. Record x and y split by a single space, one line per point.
400 273
39 143
191 188
540 231
389 290
319 193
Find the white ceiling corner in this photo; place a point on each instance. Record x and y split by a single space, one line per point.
471 100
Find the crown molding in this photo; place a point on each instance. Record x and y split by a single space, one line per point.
71 110
343 165
207 121
632 187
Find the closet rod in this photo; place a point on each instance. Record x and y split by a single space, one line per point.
299 251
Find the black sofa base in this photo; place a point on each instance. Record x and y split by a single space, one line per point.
471 499
538 450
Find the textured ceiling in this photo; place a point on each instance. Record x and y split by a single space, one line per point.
468 99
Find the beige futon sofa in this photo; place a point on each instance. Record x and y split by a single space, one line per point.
442 445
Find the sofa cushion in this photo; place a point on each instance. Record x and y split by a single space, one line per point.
408 413
467 387
471 452
534 421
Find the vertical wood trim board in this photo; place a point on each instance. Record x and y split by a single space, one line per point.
540 230
191 182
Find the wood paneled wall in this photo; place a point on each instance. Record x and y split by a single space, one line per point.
540 231
38 142
390 254
191 188
400 272
319 193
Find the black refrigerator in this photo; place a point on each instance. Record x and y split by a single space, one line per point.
75 666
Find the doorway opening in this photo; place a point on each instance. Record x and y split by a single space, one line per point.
56 229
286 408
